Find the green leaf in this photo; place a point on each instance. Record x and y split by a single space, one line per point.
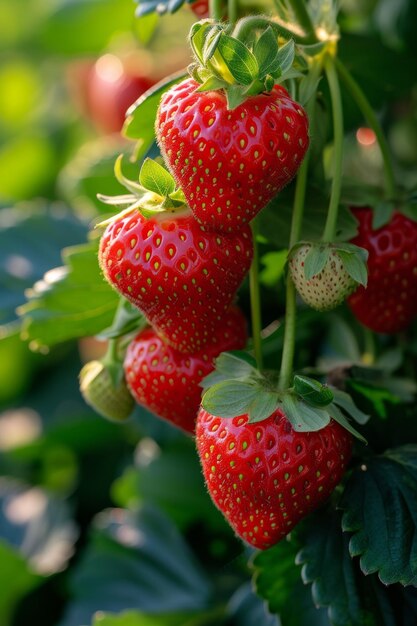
355 266
343 399
235 365
127 319
145 27
239 60
336 583
274 267
136 618
156 178
382 213
262 407
312 391
316 260
304 418
265 51
380 509
137 560
245 608
16 580
338 416
229 398
285 57
70 302
140 121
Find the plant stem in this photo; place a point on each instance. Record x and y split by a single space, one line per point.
232 11
247 25
255 300
287 358
369 341
216 9
303 17
337 109
369 114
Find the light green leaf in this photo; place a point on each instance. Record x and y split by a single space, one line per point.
240 61
262 407
229 398
355 267
274 266
265 51
285 56
156 178
343 399
304 418
312 391
316 260
380 509
338 417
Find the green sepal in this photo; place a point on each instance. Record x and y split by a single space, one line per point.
285 57
210 44
127 319
156 178
316 260
265 51
338 417
382 213
303 417
235 95
343 399
263 406
135 188
237 365
354 261
229 398
212 83
198 34
312 391
308 87
240 61
122 200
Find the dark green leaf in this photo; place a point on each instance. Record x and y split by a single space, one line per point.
70 302
339 417
312 391
343 399
264 404
315 260
247 609
156 178
16 580
380 509
229 398
265 51
382 213
304 418
136 618
333 575
239 60
136 560
355 266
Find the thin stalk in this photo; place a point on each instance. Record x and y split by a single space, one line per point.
303 18
247 25
369 114
232 11
337 109
369 354
255 300
288 350
216 9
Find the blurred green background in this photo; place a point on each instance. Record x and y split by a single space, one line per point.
68 71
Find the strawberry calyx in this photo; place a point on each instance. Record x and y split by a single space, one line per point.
154 193
353 258
236 387
240 68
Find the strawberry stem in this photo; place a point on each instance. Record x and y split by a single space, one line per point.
255 300
288 349
232 11
337 109
303 17
369 114
246 26
216 9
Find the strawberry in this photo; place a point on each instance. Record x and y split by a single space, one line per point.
99 391
181 277
200 8
327 286
265 477
230 163
166 381
389 303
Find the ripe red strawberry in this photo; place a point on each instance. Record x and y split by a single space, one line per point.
200 8
230 163
166 381
265 477
389 303
181 277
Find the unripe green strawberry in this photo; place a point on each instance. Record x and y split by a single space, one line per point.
331 285
98 390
